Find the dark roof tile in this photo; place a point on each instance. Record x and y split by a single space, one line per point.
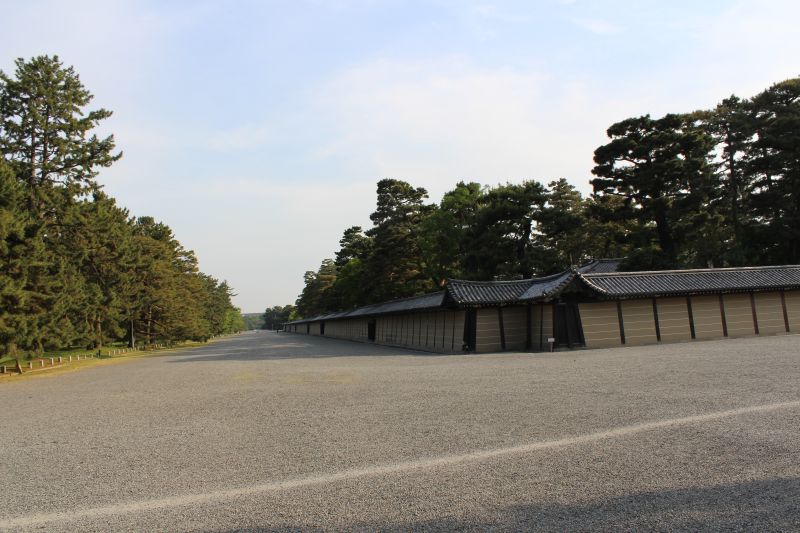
545 287
601 266
593 277
414 303
469 293
656 283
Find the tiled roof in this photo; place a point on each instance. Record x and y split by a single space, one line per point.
414 303
595 278
546 287
426 301
486 292
657 283
600 266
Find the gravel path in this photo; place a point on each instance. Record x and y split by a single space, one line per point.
268 431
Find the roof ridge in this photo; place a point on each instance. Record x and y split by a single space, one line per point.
401 299
689 271
505 281
553 276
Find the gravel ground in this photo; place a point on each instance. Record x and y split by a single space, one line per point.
268 431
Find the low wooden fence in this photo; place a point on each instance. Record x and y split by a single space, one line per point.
42 363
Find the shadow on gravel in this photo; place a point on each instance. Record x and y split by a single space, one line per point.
771 505
289 346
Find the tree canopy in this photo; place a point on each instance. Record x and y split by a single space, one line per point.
718 187
75 268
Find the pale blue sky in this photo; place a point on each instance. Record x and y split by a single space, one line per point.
257 130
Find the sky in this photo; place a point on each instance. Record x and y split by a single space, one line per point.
257 130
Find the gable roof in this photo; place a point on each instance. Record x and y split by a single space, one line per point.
414 303
598 278
464 292
543 288
600 266
696 281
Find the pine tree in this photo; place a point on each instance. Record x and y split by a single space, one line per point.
45 131
773 165
661 166
397 266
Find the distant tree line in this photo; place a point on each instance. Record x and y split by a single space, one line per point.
274 317
75 268
716 187
253 321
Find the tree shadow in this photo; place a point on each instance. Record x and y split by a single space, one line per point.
766 505
279 346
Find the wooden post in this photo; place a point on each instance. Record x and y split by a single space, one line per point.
753 309
655 316
785 314
722 314
621 322
541 327
528 327
502 329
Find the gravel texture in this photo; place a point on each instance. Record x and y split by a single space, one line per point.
268 431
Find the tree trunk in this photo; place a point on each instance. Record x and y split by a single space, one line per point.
98 340
733 191
149 321
665 239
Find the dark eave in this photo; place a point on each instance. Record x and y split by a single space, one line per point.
478 293
593 280
414 303
688 282
600 266
546 288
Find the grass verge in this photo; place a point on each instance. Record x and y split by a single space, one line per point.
109 355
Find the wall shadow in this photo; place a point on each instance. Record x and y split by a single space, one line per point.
767 505
279 346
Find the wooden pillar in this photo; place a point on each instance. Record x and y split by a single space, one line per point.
541 327
427 329
528 327
621 322
691 316
453 340
655 318
502 329
444 327
753 309
722 314
785 313
555 324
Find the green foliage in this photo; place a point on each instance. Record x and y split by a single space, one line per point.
253 321
396 254
772 167
501 237
662 167
274 317
75 269
45 131
717 187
